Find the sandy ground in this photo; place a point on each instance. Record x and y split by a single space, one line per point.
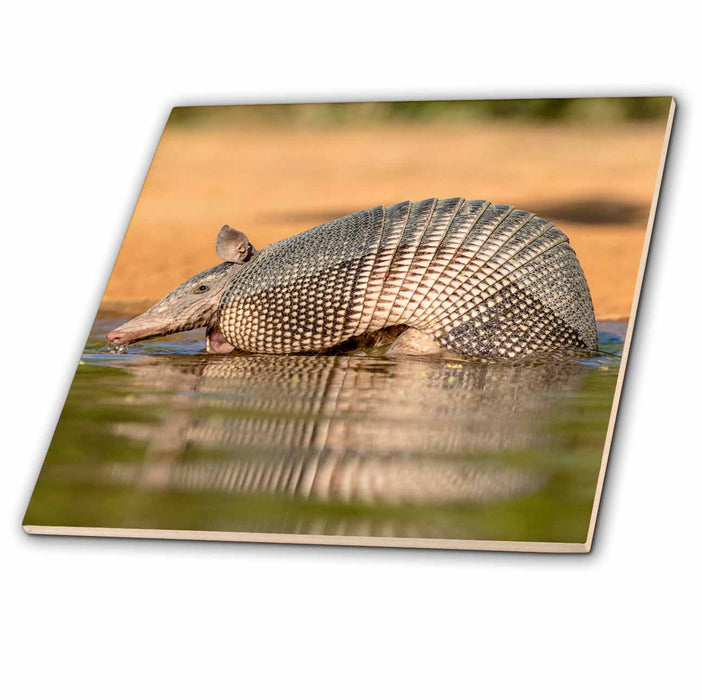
595 183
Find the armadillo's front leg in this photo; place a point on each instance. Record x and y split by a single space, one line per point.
215 341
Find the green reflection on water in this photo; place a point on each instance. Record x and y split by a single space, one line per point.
168 437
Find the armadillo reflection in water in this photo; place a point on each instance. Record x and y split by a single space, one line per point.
457 276
319 428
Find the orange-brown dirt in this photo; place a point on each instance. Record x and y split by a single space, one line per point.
595 183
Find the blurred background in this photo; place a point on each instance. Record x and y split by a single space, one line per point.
590 165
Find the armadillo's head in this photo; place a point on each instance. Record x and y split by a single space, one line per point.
194 303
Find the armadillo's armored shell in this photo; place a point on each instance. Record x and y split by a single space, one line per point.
483 279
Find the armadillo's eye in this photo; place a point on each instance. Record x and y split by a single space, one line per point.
202 288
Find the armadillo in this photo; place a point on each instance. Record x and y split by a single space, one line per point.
463 276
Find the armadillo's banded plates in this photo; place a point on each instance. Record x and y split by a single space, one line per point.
483 279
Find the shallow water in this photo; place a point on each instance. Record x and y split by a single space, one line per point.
165 436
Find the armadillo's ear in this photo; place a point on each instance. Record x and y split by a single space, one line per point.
233 245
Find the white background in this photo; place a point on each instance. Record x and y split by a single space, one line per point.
85 92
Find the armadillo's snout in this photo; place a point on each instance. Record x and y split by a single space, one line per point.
133 331
147 325
117 337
